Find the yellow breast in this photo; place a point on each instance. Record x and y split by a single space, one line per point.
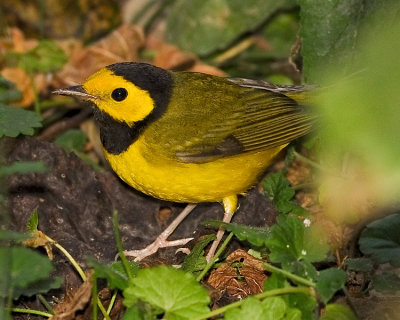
172 180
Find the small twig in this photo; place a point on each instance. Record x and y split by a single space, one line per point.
61 126
212 261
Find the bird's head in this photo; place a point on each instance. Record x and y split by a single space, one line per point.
128 92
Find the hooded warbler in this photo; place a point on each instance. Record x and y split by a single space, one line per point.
191 137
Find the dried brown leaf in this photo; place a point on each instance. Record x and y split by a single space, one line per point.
120 45
62 19
24 84
205 68
241 281
298 173
15 41
39 240
172 58
75 301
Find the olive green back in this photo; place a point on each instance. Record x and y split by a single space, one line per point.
210 117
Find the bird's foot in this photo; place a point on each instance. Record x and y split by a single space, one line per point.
160 242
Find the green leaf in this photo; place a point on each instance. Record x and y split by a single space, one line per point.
195 260
329 281
172 290
359 264
133 313
202 26
300 305
275 281
5 314
72 140
360 118
15 121
256 236
335 311
23 168
331 30
381 240
114 273
274 308
47 56
39 286
278 189
291 240
8 91
13 236
26 271
386 282
303 302
33 222
303 269
281 193
293 314
250 309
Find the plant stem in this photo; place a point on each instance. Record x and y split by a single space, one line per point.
234 51
103 310
260 296
124 261
95 299
30 311
70 258
35 95
78 269
306 185
218 253
45 303
309 161
289 275
111 305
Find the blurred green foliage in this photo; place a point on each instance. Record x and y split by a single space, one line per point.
333 33
360 114
47 56
204 26
26 272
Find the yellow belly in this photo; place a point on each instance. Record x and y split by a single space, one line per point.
176 181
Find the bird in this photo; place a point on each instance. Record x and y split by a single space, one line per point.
191 137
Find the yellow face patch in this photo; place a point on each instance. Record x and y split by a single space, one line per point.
136 106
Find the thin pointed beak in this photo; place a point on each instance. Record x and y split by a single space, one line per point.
75 91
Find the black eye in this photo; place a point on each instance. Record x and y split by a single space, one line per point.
119 94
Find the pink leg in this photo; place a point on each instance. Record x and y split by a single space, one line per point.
161 241
230 206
